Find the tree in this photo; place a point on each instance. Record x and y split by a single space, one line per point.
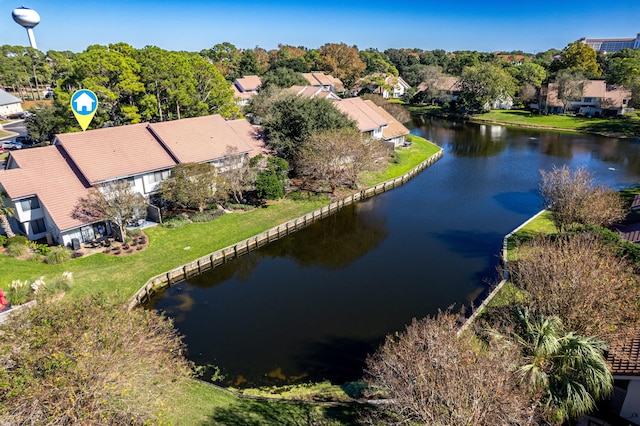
283 78
581 280
115 201
580 56
377 62
429 375
482 84
573 197
272 179
191 185
336 157
114 76
225 56
624 68
89 362
567 373
570 86
43 124
4 213
341 61
291 119
238 176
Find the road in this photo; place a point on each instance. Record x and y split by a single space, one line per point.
16 127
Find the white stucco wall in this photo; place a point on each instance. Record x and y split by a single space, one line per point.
631 407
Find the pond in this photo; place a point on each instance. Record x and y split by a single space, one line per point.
311 306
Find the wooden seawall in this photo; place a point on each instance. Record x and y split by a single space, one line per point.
226 254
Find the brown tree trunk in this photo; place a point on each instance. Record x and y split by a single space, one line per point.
4 222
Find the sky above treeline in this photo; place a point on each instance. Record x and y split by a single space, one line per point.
484 26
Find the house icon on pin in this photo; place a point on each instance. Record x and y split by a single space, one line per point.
84 103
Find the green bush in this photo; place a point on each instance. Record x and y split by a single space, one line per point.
268 186
206 216
16 249
57 284
245 207
37 257
43 249
58 255
17 239
19 292
175 222
3 240
307 196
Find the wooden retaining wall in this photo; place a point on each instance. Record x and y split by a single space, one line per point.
505 275
226 254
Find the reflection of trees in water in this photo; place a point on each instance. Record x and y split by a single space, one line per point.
479 141
335 241
242 268
332 243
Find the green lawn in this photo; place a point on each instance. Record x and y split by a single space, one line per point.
627 126
206 405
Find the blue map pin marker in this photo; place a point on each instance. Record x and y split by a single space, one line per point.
84 104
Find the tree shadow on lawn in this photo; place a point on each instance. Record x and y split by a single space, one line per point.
248 412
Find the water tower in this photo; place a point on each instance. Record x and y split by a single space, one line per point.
28 18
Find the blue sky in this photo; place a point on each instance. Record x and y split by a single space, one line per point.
485 26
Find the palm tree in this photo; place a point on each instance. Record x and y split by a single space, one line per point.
5 212
566 372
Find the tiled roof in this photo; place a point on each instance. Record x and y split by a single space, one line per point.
241 95
46 173
248 83
7 99
249 134
312 92
115 152
624 358
444 83
322 79
365 117
199 139
394 129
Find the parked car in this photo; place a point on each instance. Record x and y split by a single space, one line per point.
26 141
10 145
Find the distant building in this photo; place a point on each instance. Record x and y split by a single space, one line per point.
245 88
608 45
599 99
9 104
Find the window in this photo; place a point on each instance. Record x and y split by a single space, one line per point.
29 204
157 177
37 226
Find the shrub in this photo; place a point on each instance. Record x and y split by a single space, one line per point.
16 249
36 257
175 222
80 361
19 292
17 239
206 216
306 196
134 232
3 240
245 207
268 186
43 249
58 255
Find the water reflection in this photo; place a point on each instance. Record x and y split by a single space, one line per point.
312 305
337 242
